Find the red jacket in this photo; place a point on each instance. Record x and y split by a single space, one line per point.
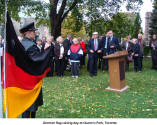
83 46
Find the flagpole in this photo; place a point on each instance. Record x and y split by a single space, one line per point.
1 97
4 66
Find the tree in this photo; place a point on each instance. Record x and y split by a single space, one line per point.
73 24
120 24
137 26
59 9
153 23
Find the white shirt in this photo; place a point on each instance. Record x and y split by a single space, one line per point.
39 47
61 49
127 44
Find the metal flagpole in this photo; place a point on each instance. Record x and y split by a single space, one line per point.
1 98
5 98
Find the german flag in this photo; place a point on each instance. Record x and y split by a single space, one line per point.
23 74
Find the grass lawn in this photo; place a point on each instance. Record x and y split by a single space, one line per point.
86 97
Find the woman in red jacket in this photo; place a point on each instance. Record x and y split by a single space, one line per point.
83 46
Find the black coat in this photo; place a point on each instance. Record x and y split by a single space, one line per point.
57 51
32 50
114 42
67 43
90 45
136 50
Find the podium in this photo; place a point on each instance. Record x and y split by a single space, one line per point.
116 63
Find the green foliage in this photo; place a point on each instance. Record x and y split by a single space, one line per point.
94 12
96 25
137 26
120 24
30 8
153 23
74 21
147 51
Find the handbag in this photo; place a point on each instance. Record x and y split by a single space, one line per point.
129 58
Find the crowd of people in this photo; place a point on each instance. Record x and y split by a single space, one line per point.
70 54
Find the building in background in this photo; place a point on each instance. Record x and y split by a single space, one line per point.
147 27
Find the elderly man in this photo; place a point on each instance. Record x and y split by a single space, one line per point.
67 43
94 48
141 42
33 51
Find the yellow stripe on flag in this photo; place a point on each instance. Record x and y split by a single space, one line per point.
18 100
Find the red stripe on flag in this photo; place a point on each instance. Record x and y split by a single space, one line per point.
16 77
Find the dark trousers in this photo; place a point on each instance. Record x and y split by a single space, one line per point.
75 68
28 114
93 59
104 61
100 61
154 60
50 73
140 63
60 67
83 60
105 64
88 64
137 64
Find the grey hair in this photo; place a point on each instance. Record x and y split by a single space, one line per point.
58 38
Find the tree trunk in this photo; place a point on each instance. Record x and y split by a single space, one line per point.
55 27
56 20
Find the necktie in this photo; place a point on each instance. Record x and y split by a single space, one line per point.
95 44
139 41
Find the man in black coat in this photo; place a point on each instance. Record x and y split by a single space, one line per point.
32 50
67 43
113 43
94 48
105 52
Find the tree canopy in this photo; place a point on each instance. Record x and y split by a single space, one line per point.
55 12
153 23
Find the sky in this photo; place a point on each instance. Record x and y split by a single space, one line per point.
146 7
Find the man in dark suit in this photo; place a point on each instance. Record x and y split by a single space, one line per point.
105 52
94 48
67 43
113 43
